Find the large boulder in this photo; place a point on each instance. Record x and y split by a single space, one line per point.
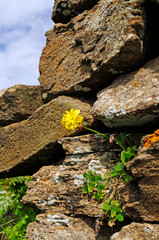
32 143
85 54
18 103
132 99
141 198
138 231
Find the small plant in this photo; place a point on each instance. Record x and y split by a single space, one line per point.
105 188
14 216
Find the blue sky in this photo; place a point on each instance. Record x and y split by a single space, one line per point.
23 24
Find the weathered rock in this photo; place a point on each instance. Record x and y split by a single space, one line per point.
64 10
59 188
138 231
142 196
84 55
27 145
57 226
53 226
132 100
18 103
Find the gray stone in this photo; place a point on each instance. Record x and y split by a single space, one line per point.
132 99
138 231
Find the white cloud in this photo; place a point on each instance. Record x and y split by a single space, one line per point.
22 28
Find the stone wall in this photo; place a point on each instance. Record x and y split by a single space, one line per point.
101 57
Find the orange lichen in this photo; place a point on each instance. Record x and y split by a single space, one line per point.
135 84
151 139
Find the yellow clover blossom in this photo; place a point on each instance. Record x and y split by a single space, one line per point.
71 119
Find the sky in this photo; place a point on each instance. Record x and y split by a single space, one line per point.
23 24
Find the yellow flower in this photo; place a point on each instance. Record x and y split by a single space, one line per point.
71 119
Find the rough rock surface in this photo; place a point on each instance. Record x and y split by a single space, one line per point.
138 231
64 10
32 143
132 100
84 55
142 197
59 188
56 226
16 103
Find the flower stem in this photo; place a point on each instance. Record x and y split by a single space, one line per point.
102 134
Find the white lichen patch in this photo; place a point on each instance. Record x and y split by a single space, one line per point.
96 166
51 200
58 220
38 179
44 95
78 179
42 202
82 149
148 229
113 112
58 178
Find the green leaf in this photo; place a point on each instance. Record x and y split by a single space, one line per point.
91 178
118 209
113 213
90 172
125 156
106 207
119 167
134 148
85 188
114 202
98 178
101 187
128 178
119 217
91 184
85 175
123 136
90 189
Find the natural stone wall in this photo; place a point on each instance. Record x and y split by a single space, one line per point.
59 188
111 46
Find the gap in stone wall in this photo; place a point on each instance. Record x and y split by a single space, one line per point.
152 29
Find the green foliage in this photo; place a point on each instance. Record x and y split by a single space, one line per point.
14 216
105 188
